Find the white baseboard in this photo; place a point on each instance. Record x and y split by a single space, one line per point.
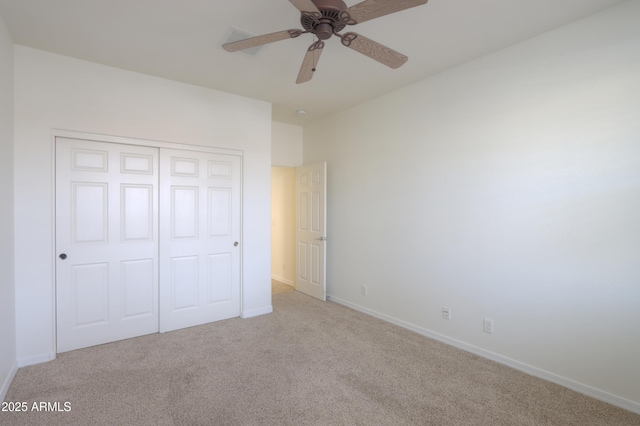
282 280
7 380
525 368
37 359
256 312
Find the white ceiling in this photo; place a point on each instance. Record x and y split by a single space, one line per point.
180 40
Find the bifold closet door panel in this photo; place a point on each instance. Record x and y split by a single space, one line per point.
199 238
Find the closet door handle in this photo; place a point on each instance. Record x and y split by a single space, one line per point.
63 256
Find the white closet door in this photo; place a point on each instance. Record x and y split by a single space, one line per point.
199 238
106 242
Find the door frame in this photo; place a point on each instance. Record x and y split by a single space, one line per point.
70 134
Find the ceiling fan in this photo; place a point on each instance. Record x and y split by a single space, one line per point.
326 18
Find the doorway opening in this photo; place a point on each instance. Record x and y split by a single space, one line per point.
299 200
283 229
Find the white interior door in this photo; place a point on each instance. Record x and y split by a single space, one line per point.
106 242
199 242
311 195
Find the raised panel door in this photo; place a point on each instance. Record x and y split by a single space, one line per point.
106 241
200 250
310 230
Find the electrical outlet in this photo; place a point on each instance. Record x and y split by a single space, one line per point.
446 313
488 326
364 290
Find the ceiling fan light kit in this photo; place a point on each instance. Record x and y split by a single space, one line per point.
327 18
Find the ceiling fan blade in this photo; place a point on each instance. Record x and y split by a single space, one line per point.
305 6
260 40
370 9
310 61
374 50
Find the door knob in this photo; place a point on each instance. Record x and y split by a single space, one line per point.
235 244
63 256
322 238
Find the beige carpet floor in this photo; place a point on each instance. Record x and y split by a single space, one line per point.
307 363
278 287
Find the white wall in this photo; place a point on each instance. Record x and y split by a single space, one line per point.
8 364
56 92
507 188
283 224
286 144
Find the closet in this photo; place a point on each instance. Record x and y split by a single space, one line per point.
147 239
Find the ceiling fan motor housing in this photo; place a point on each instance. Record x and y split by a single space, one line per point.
330 20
